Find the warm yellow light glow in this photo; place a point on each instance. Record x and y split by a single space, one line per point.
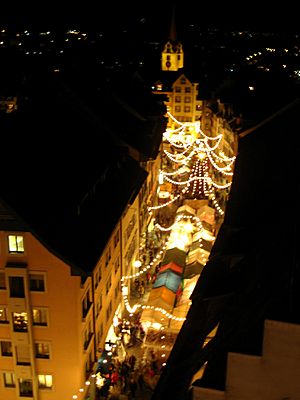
160 179
163 195
202 155
137 264
125 290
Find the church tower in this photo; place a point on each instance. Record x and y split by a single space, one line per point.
172 54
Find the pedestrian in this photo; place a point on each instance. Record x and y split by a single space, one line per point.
132 360
114 378
148 277
141 290
132 388
141 381
154 277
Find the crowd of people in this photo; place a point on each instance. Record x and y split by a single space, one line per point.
136 373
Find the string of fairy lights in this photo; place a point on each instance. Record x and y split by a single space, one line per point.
191 146
202 159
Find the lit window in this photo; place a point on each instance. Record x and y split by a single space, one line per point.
45 381
15 244
42 350
3 315
6 348
20 322
9 379
36 282
2 280
40 317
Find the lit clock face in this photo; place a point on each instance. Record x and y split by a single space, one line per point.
168 64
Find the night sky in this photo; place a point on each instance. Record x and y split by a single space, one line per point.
242 15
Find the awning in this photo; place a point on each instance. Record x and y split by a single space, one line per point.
176 255
162 297
186 210
188 288
169 279
150 316
197 255
206 245
206 214
195 203
180 312
172 266
193 269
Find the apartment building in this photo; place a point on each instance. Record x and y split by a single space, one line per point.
67 235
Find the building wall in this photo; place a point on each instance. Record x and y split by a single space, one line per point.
61 302
183 102
274 375
130 239
107 295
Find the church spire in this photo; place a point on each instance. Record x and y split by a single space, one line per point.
172 54
173 26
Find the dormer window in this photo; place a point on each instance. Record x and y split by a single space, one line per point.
15 244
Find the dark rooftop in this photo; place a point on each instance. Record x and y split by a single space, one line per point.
68 173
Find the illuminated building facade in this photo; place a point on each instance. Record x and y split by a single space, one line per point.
68 238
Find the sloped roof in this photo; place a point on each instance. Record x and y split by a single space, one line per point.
66 173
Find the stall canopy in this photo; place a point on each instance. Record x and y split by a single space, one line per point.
181 312
188 288
199 255
206 214
176 255
204 244
172 266
186 210
169 279
192 269
195 203
162 297
150 316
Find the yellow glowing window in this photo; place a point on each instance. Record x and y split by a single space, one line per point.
45 381
15 244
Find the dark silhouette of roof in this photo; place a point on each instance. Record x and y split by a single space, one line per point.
67 172
253 270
